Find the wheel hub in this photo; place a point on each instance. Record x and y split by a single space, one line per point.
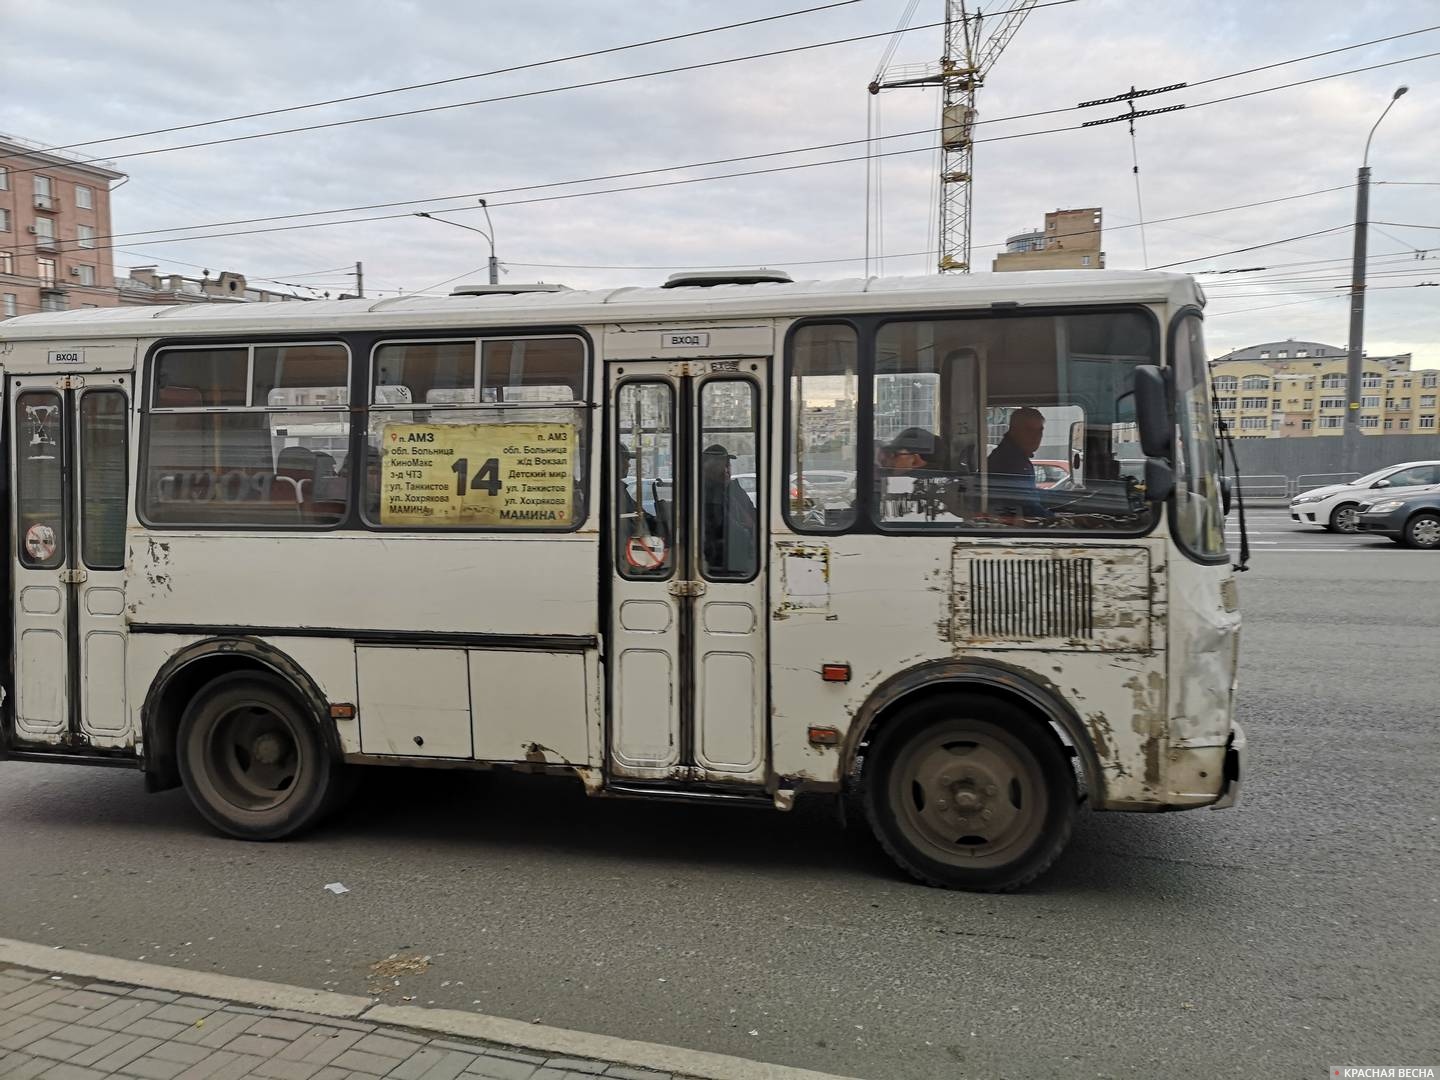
268 749
966 796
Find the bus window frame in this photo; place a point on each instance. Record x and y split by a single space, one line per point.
867 328
679 524
863 402
258 341
1172 519
762 493
82 469
583 407
359 342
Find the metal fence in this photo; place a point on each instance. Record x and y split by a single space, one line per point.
1282 468
1272 486
1279 486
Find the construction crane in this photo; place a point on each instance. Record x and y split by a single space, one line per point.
973 42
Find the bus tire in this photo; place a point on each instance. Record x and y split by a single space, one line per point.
967 791
252 760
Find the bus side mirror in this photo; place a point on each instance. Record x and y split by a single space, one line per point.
1226 490
1159 480
1152 412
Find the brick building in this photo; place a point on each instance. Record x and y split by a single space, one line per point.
54 212
1069 241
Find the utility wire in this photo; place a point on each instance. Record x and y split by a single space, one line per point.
453 79
823 146
516 96
61 245
702 66
1252 247
677 182
852 142
672 183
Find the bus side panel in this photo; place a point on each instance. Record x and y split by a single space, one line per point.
851 599
329 663
524 587
499 629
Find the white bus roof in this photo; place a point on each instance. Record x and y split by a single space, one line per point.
627 304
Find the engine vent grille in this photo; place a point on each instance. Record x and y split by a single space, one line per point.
1032 598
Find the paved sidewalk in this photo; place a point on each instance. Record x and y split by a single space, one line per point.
54 1027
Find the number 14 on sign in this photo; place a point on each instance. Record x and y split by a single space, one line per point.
487 476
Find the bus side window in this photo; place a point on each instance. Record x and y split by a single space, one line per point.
644 480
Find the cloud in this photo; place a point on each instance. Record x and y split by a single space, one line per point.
106 69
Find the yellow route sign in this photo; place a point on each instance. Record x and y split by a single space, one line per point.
497 475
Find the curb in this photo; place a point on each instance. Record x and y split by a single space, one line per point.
552 1041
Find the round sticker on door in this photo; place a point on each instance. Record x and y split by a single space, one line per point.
40 542
645 552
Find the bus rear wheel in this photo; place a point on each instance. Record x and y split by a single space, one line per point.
252 760
969 792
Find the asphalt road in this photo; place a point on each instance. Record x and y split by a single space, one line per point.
1299 930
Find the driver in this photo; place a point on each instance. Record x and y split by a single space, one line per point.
1011 470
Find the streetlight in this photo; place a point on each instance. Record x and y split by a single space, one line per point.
490 236
1354 367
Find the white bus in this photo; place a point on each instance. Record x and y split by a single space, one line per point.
254 544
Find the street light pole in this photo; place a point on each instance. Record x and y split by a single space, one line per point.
1355 360
490 236
494 262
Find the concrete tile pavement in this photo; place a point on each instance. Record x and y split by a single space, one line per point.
57 1027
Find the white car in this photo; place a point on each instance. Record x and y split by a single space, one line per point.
1334 506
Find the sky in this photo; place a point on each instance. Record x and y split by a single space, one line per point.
104 70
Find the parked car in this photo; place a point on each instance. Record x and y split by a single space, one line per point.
1049 474
1409 518
1334 506
822 486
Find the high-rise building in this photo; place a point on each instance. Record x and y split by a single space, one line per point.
54 230
1069 241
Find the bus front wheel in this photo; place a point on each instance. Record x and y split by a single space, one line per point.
968 792
252 761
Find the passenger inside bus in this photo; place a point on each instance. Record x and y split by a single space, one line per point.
914 450
728 520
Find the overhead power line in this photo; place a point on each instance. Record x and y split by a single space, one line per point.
1252 247
669 183
688 180
530 66
515 96
713 64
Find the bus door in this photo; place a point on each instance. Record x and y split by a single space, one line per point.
68 445
686 650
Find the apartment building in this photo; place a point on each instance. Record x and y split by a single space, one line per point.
54 216
145 285
1299 388
1070 240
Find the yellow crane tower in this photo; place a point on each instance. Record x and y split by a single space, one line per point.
973 42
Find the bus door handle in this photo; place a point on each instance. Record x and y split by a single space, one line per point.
687 588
